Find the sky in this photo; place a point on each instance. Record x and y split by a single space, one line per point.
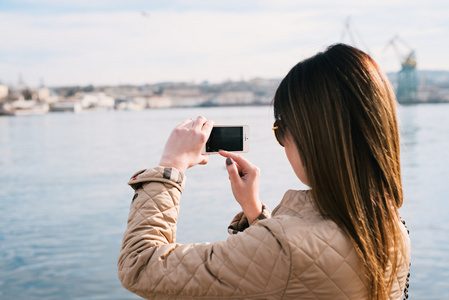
111 42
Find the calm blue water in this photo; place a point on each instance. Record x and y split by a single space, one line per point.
64 199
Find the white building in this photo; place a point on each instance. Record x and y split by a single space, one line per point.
96 101
188 101
158 101
47 96
234 98
3 92
136 103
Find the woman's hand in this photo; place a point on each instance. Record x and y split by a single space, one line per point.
244 178
184 146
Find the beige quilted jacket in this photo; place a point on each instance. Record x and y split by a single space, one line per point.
294 254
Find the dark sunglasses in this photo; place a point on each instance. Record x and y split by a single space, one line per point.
279 132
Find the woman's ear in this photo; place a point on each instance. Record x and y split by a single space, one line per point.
291 150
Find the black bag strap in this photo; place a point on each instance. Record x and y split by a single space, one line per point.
408 275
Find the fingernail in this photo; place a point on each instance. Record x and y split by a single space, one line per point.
228 161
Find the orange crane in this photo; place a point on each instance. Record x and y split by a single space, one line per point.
407 88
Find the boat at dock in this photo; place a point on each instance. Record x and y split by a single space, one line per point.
25 108
66 106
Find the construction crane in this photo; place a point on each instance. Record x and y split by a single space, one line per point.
351 31
407 88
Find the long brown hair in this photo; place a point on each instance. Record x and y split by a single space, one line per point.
341 111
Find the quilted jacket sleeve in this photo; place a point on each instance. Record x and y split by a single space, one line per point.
240 221
247 265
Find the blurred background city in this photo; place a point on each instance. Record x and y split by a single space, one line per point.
100 55
90 90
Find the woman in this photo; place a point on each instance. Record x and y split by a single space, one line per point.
342 239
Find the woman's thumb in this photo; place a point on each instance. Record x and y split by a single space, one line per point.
232 169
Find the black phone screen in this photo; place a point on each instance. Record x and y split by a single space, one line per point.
225 138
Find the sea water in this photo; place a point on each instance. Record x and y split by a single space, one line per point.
64 200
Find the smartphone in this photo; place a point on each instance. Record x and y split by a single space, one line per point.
233 138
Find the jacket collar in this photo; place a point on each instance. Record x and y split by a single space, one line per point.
298 203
